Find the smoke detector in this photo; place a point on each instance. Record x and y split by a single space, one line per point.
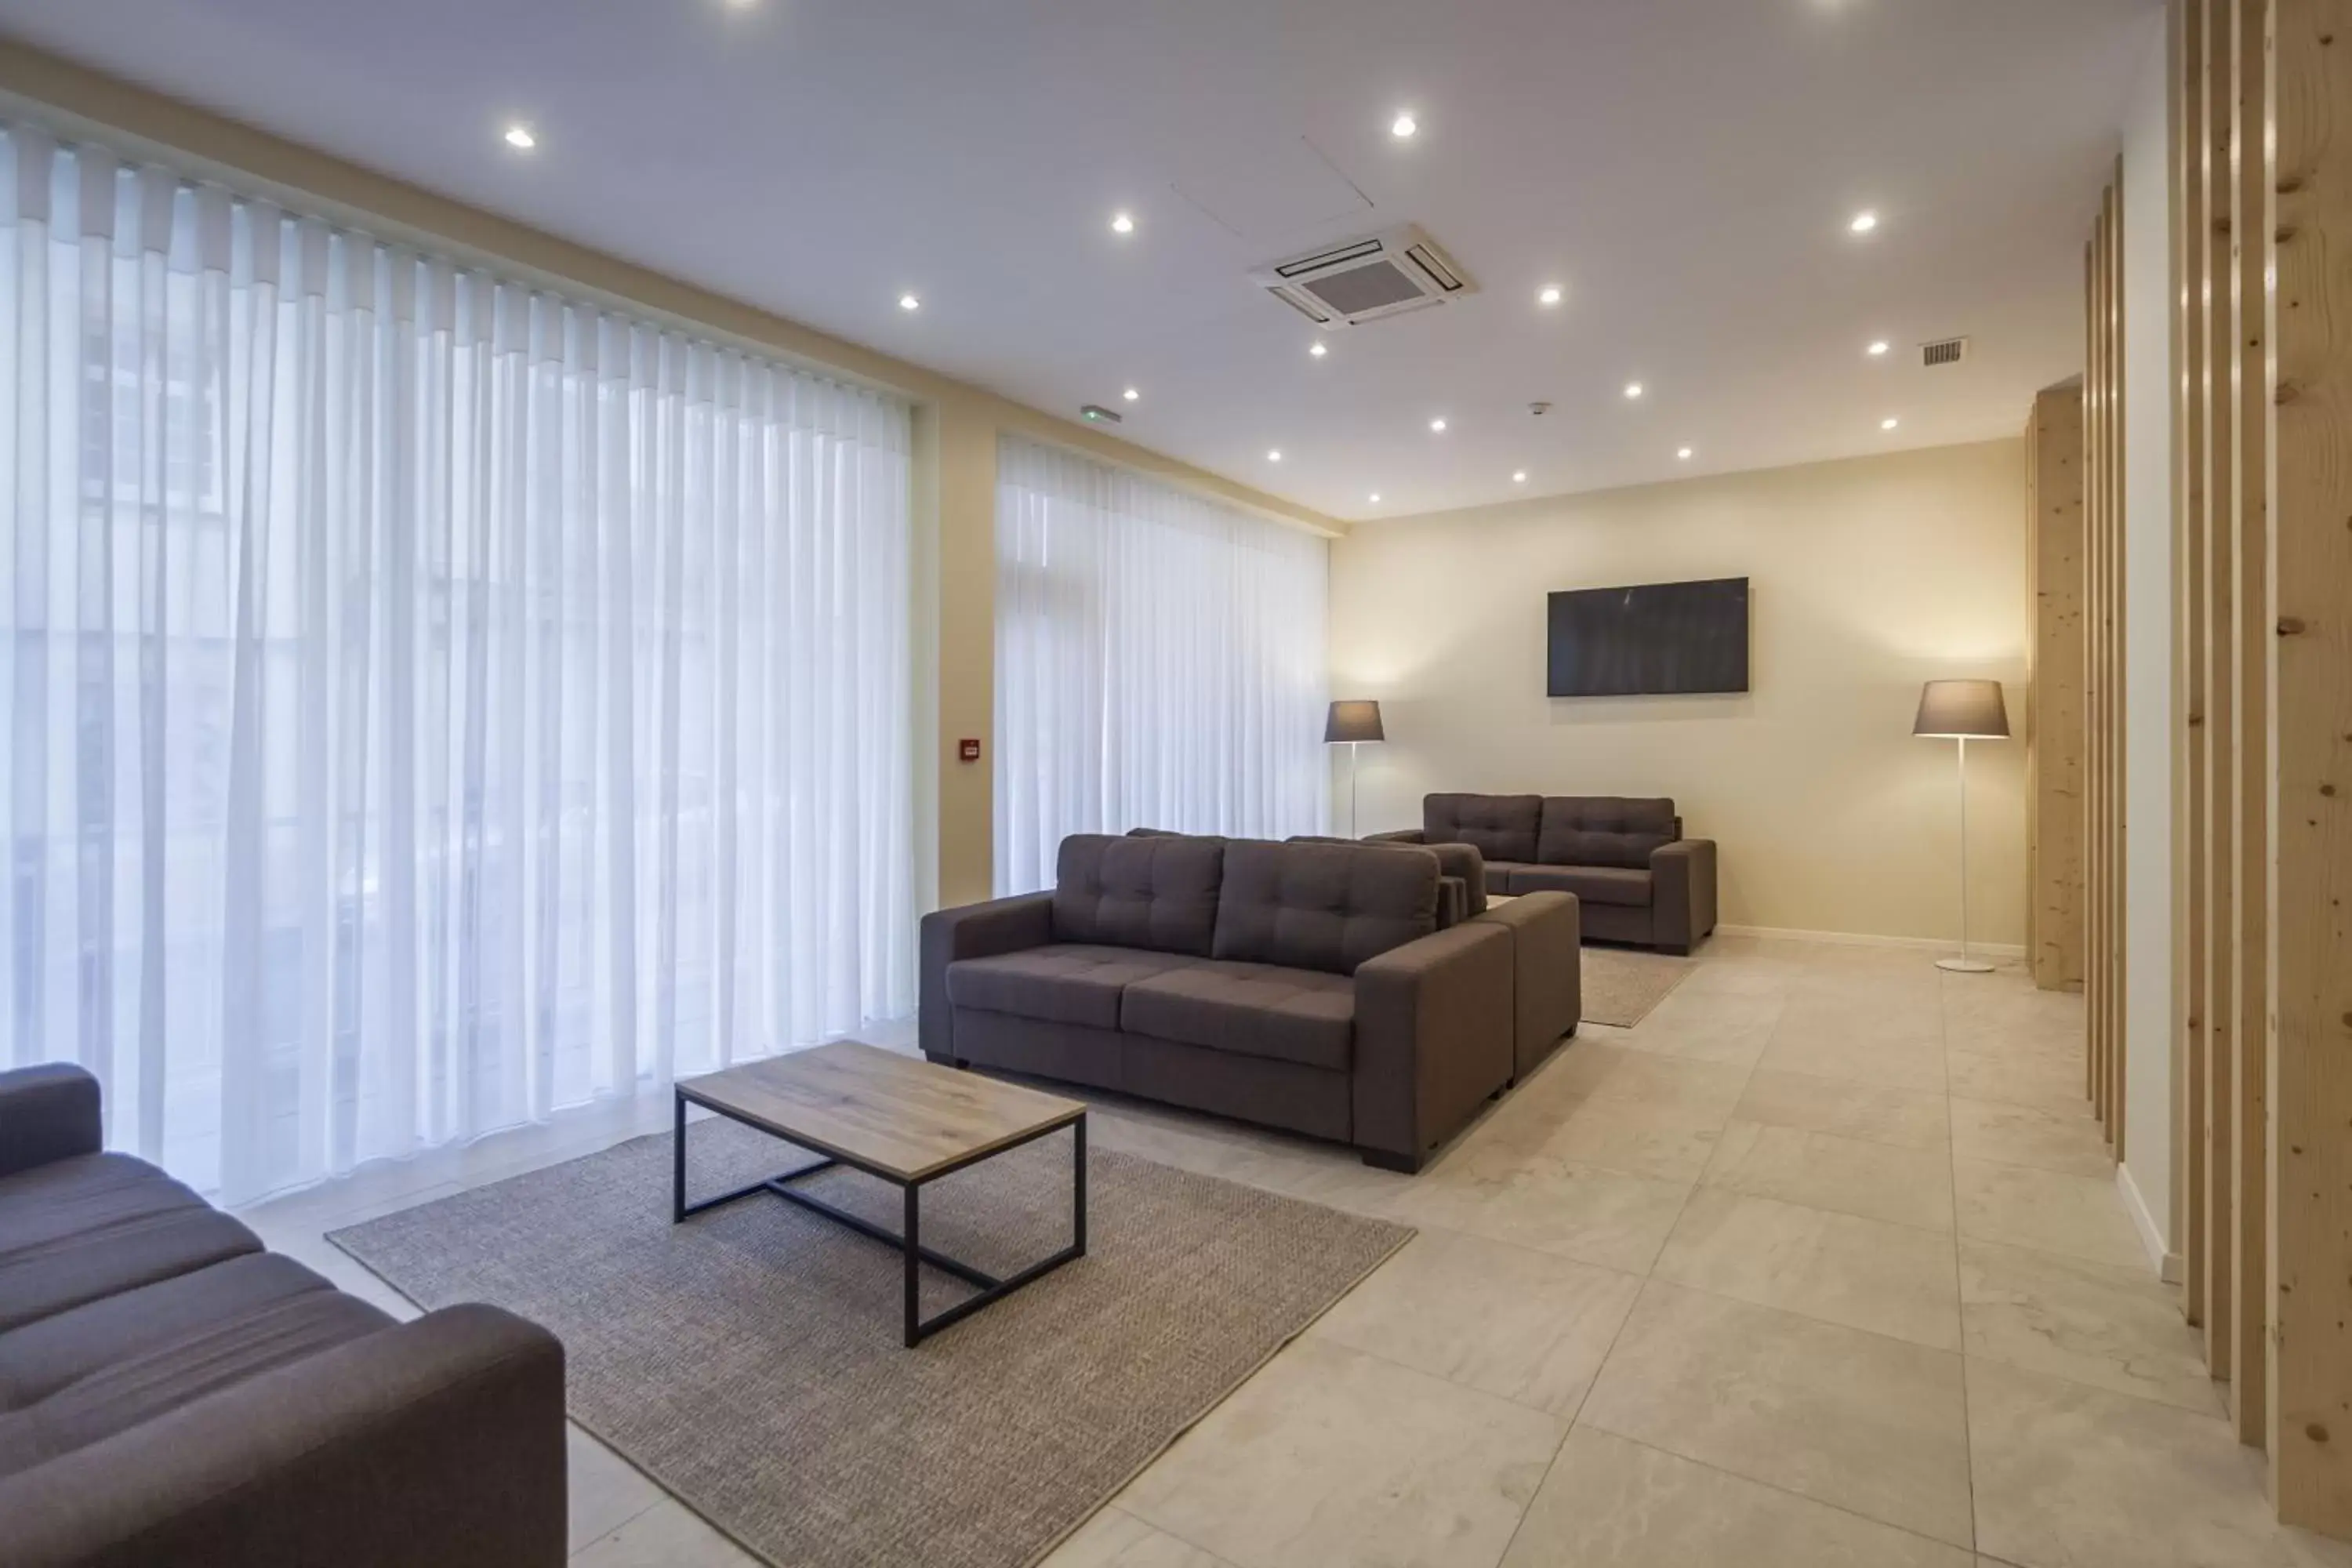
1362 281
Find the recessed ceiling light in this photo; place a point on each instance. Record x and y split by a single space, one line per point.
1404 125
1120 223
1437 425
1274 456
1131 394
1548 294
1376 498
1632 389
1879 350
1319 350
1864 223
1888 423
1682 453
1519 478
519 138
909 302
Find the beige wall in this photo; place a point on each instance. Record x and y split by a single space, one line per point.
1868 577
955 424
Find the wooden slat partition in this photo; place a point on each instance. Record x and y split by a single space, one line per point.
2307 455
2053 710
2217 679
2187 54
2245 515
2103 671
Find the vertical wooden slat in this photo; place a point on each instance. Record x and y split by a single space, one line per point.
2310 1067
2120 676
2054 710
2094 662
2251 636
2190 224
2218 682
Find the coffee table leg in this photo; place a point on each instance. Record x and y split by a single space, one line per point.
1078 1186
913 1250
678 1164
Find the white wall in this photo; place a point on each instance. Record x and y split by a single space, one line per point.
2150 1035
1869 577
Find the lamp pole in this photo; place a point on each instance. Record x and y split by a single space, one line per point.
1964 964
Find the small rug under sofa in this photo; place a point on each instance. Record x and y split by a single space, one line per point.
1622 984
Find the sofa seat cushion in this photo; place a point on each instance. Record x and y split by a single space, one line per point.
38 1359
1302 1015
153 1382
74 1230
1062 983
1593 884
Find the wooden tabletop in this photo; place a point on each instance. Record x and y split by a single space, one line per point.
898 1116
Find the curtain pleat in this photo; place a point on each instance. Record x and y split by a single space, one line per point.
1160 663
429 702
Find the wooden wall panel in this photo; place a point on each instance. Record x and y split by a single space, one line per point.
2054 710
2309 458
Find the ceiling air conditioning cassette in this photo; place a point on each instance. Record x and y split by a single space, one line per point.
1362 281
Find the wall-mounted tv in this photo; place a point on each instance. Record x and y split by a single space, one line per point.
1657 639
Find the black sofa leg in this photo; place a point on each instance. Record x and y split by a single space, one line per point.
1382 1160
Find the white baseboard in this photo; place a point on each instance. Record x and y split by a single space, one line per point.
1862 939
2168 1265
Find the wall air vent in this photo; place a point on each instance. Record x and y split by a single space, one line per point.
1362 281
1945 350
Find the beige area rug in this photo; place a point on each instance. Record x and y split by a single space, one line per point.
1622 984
750 1359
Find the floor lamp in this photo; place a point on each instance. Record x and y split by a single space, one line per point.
1352 724
1962 710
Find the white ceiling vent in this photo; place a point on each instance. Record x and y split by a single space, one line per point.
1943 351
1362 281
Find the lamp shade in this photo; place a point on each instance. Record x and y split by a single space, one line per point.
1353 722
1970 709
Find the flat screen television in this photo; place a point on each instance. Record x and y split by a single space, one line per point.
1657 639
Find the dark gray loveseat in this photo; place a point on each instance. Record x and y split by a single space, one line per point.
171 1395
1636 877
1304 987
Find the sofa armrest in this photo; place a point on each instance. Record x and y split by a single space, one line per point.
1398 836
1547 972
1682 893
48 1113
1433 1040
975 931
434 1444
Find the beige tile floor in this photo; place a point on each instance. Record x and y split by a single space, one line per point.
1822 1266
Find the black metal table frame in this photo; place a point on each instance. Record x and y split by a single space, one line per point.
908 1241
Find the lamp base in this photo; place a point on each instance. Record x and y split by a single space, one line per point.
1964 965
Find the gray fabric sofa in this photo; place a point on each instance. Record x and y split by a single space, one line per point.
1304 985
1636 877
171 1393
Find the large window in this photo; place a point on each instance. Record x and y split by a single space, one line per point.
1160 663
428 701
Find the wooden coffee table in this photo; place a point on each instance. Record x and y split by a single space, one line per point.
906 1121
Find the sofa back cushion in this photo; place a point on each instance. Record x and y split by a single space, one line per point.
1158 892
1322 906
1499 826
1604 830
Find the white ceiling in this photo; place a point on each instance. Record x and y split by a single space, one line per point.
1684 168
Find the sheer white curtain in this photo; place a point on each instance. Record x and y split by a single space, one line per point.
428 702
1159 662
